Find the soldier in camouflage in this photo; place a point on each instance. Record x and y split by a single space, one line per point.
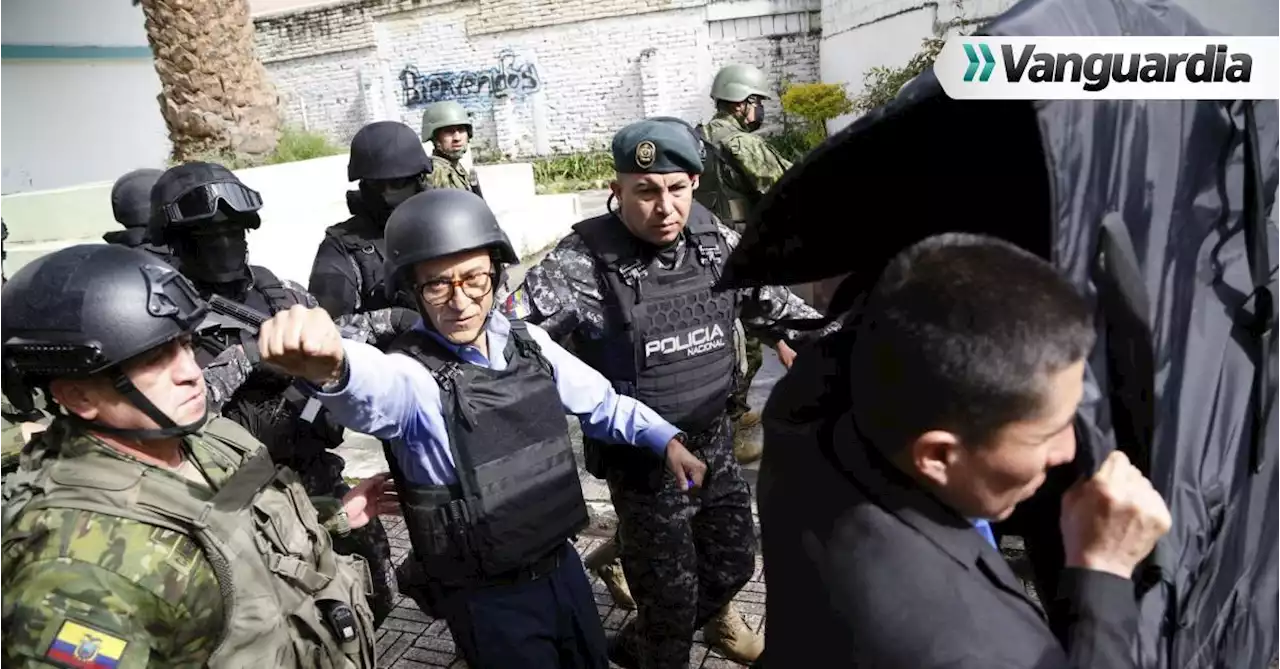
203 212
138 532
131 206
17 426
744 167
684 557
448 127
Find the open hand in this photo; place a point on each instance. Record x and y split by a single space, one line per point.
303 342
372 497
687 469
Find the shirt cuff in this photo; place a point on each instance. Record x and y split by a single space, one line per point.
336 387
657 437
1097 595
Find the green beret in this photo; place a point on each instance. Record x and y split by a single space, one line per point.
656 147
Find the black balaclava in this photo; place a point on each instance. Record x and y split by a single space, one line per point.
218 257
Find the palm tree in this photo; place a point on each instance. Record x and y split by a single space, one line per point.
215 95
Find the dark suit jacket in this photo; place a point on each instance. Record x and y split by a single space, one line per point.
865 569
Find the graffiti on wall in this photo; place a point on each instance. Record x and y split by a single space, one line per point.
510 76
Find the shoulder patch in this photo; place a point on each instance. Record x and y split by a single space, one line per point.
517 304
83 647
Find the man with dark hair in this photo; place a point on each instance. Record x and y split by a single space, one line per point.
939 411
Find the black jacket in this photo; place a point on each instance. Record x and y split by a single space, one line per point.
865 569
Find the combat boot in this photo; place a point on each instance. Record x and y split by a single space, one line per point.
728 633
603 561
746 449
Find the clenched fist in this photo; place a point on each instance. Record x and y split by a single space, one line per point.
1110 522
303 342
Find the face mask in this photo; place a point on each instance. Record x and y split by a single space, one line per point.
394 196
759 116
218 258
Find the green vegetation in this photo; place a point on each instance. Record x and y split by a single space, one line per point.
295 144
814 104
572 172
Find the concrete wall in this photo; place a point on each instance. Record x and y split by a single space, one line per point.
300 200
538 76
80 94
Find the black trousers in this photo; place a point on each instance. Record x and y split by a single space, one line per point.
549 622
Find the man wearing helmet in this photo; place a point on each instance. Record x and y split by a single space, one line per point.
473 402
131 207
744 166
388 161
203 212
139 532
448 127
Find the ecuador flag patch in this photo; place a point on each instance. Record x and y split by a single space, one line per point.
84 647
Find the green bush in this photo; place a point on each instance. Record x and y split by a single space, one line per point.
573 172
881 84
293 145
815 103
792 143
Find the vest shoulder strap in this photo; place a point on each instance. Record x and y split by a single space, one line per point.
527 345
442 364
231 438
608 240
272 289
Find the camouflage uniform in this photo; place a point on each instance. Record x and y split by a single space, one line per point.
761 166
685 556
145 584
284 432
448 172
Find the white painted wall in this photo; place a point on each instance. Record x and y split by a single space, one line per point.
586 67
72 120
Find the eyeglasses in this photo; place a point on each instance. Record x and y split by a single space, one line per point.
437 292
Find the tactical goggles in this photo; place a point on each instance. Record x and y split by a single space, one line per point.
202 201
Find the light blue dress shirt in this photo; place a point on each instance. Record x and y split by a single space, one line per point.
394 397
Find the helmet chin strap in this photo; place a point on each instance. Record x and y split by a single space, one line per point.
168 429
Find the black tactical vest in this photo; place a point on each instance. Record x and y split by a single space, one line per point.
268 296
517 498
674 350
366 253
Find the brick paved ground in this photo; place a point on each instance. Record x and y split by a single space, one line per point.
410 639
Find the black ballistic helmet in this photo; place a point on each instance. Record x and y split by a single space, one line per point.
438 223
386 150
190 194
131 197
85 309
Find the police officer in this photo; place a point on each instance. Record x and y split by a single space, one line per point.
391 166
632 289
448 127
135 533
745 167
473 403
131 206
203 211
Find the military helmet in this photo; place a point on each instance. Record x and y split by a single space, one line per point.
86 309
737 82
131 197
386 150
443 114
438 223
189 195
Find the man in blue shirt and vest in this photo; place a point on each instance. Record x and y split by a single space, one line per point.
473 404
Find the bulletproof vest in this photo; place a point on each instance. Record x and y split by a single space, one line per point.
517 497
289 600
674 347
717 189
366 253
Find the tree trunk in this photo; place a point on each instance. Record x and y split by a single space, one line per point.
215 95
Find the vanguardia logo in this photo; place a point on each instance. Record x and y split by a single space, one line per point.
1110 67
